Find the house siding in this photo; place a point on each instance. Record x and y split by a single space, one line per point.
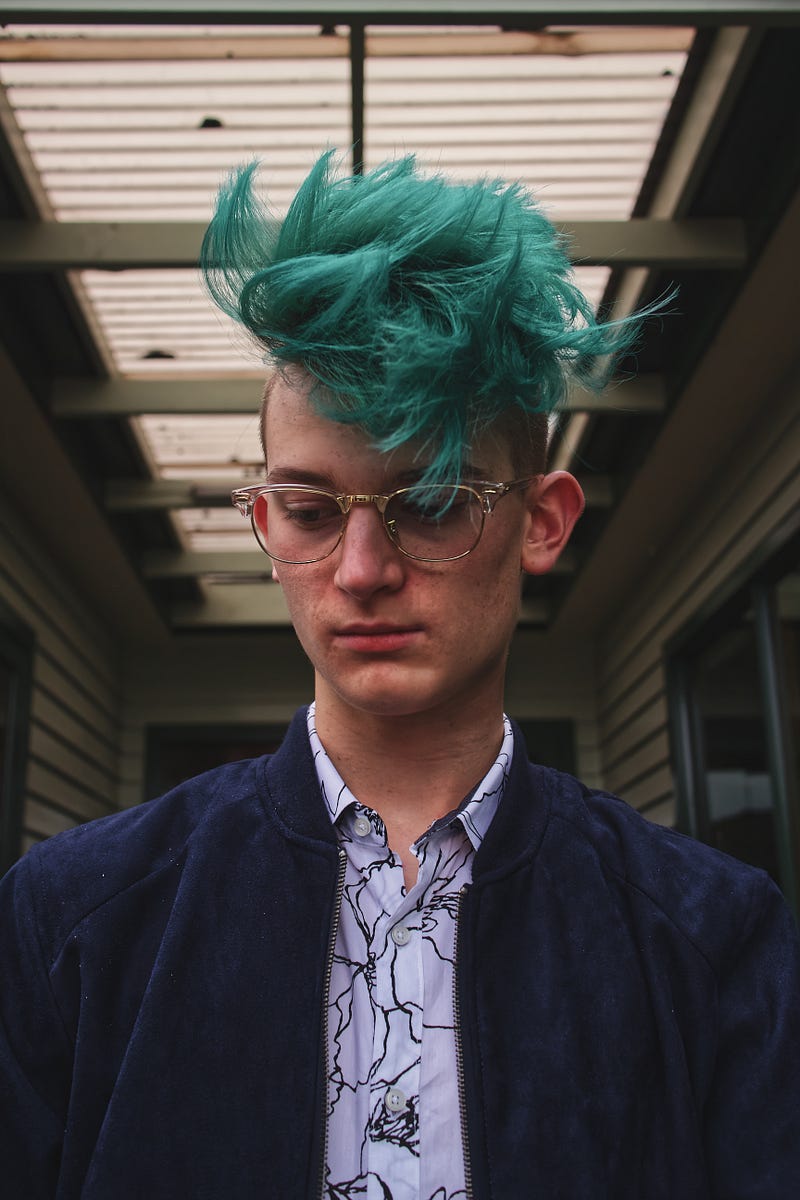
225 680
747 502
73 746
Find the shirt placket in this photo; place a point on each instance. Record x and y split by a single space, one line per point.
398 1000
395 956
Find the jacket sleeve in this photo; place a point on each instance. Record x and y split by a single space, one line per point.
35 1051
752 1120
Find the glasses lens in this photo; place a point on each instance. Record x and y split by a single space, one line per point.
297 524
435 522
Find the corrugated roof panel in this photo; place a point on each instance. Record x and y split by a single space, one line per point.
214 440
133 138
162 323
498 107
212 529
176 117
293 107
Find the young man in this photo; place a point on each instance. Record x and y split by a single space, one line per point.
396 960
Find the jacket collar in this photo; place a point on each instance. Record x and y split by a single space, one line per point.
290 788
292 797
516 832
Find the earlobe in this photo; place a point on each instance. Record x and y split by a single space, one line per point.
275 578
555 504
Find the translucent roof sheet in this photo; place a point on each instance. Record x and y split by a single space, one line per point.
138 123
579 132
161 323
170 131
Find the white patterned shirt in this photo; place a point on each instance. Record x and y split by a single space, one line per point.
393 1116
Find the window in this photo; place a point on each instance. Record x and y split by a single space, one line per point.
734 684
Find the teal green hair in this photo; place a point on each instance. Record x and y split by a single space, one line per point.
426 309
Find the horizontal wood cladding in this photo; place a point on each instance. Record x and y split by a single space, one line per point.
747 500
73 745
70 726
42 821
648 723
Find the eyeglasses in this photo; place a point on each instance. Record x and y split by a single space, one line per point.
428 522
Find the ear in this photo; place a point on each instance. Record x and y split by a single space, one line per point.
554 505
275 578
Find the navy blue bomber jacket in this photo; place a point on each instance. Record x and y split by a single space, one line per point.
627 1002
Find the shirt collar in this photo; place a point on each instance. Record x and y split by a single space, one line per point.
475 811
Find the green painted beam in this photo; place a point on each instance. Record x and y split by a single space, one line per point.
260 605
149 495
187 564
86 399
687 244
232 605
253 564
91 398
106 245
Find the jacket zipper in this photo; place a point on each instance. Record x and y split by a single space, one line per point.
326 991
462 1103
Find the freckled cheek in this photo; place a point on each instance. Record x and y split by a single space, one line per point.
304 604
496 573
495 605
483 607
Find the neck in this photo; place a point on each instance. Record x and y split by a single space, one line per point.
410 769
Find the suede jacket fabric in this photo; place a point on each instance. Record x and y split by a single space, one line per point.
628 1002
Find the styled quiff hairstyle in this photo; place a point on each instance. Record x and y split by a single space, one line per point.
424 308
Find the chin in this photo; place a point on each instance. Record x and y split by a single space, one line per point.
389 704
383 694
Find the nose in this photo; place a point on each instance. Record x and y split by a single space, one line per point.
367 560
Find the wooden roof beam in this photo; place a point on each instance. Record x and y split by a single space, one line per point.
233 605
243 605
159 495
85 399
334 44
686 244
252 564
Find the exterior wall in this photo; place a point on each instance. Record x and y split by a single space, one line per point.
748 496
72 763
208 680
553 678
90 714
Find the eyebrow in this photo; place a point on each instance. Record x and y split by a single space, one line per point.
296 475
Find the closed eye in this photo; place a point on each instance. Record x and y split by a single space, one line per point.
308 512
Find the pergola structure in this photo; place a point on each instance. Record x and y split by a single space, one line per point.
141 637
659 137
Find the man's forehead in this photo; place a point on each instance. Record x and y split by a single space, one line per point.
296 427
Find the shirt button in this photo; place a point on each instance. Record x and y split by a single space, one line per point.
362 826
395 1100
401 935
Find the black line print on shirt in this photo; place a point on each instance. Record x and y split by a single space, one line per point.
375 1015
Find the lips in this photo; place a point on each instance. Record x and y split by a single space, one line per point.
377 637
